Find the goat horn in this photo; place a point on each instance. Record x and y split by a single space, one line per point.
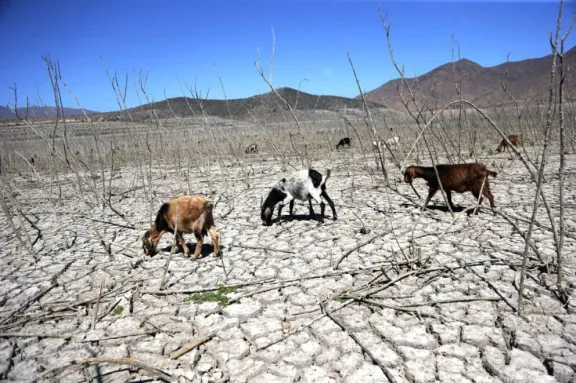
261 201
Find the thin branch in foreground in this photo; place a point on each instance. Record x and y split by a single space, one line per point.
384 369
81 363
189 347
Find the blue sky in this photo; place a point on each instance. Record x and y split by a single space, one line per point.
185 39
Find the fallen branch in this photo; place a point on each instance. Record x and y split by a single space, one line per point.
32 335
189 347
124 361
137 333
262 248
384 369
458 300
97 307
362 244
259 292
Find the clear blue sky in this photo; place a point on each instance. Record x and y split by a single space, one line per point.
185 39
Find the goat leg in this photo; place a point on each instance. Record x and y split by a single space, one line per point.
449 198
199 244
431 193
292 209
280 207
183 243
325 196
215 241
311 209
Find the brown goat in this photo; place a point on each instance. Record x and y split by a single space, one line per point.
459 178
194 217
252 148
503 144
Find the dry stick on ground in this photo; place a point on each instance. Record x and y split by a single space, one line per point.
547 131
31 335
128 335
271 280
347 253
262 248
37 296
524 237
384 369
494 289
97 307
82 363
456 300
189 347
252 293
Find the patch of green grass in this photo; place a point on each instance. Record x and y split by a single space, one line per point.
219 296
118 310
337 299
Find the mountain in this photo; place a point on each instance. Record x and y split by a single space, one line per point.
41 112
525 80
242 107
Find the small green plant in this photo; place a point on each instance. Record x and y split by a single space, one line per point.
490 152
219 296
118 310
338 299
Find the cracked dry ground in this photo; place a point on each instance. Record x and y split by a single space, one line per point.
443 310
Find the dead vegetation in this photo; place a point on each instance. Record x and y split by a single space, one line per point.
76 195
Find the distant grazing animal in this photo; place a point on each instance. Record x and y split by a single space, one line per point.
194 217
459 178
393 141
503 144
252 148
342 142
303 185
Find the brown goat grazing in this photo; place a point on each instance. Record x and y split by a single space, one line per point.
459 178
512 138
194 217
252 148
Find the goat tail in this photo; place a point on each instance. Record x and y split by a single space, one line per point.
328 172
160 222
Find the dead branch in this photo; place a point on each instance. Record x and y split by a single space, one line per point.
189 347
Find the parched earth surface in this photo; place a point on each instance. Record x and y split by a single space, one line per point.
383 293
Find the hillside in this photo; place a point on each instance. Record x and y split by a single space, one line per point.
526 80
40 112
242 108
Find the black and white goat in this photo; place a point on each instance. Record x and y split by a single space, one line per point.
303 185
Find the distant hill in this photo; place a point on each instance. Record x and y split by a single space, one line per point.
526 80
40 112
242 107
